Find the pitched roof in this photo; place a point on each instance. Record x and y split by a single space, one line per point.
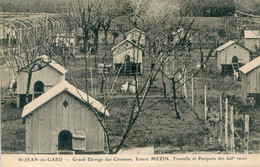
52 63
56 90
229 43
135 29
250 66
124 42
253 34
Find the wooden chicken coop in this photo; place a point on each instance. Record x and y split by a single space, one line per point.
251 80
128 58
252 39
135 35
62 120
41 80
231 56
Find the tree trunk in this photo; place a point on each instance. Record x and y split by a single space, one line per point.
164 85
114 39
201 58
102 83
96 46
175 99
85 57
28 87
106 42
85 47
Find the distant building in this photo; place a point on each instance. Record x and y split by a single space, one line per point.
136 35
252 39
66 39
42 80
62 120
231 53
251 80
8 34
128 58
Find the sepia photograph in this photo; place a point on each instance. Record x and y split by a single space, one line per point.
130 82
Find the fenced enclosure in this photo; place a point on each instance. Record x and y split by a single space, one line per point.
228 126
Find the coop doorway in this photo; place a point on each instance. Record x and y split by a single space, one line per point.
65 140
234 59
38 88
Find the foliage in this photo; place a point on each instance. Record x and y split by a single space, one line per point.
13 137
213 8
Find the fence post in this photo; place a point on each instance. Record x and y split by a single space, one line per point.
192 91
246 138
185 84
232 140
220 117
226 123
205 103
197 93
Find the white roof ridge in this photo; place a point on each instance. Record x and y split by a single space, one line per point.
250 66
50 62
252 34
229 43
225 45
124 42
59 88
135 29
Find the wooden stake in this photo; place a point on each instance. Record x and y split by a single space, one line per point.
205 103
197 93
246 138
184 83
220 117
91 81
0 98
226 123
192 91
232 140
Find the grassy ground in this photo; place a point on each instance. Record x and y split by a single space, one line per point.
157 126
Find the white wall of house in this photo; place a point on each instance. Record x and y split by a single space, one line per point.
48 75
135 53
251 42
225 56
135 35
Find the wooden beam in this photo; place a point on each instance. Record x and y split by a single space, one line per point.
205 103
185 84
232 139
192 91
220 118
246 137
226 123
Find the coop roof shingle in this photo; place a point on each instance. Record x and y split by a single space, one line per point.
50 62
252 34
229 43
250 66
124 42
56 90
135 29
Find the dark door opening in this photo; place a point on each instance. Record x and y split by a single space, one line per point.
65 140
234 59
38 88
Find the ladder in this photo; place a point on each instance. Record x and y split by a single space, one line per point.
235 67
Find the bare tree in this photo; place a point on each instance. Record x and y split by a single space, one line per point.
157 35
29 57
